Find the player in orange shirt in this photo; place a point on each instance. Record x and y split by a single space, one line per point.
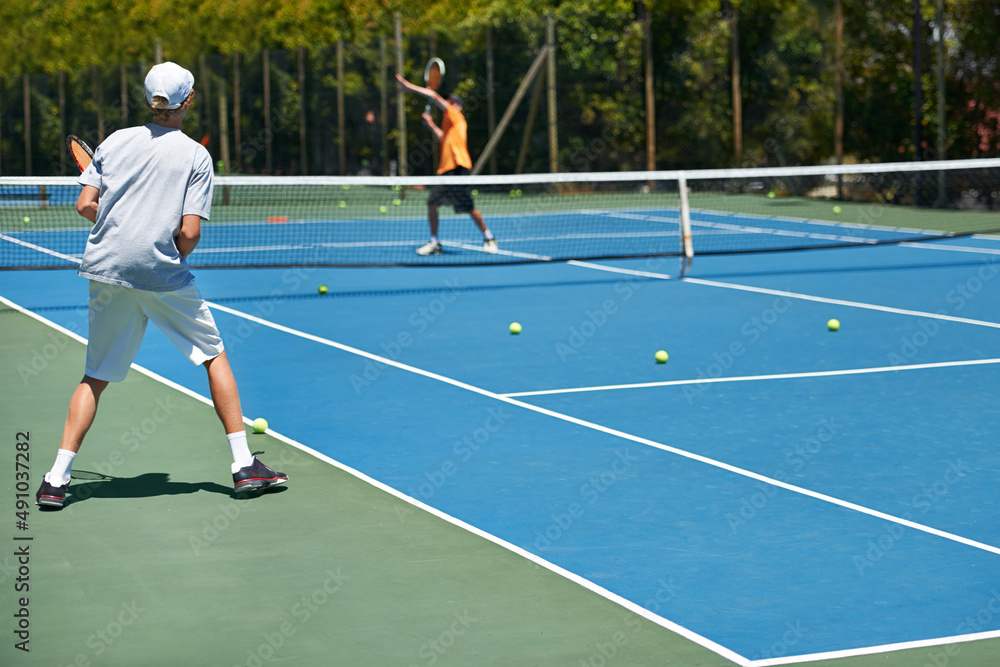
455 160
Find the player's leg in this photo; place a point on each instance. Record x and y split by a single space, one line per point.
489 243
432 247
184 317
82 411
225 393
117 325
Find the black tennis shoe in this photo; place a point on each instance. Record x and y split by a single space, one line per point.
257 476
51 496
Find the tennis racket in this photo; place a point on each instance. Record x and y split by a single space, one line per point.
433 75
80 152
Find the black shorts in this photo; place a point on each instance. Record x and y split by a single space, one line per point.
459 196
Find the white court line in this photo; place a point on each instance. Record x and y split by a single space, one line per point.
753 378
32 246
951 248
637 609
610 431
538 560
790 295
872 650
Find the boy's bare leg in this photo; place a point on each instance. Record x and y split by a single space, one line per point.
225 394
82 410
432 219
477 217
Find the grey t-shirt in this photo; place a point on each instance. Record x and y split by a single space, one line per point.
148 178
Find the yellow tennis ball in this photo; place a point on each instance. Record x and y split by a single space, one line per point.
382 209
343 204
259 425
515 328
833 325
397 202
836 209
27 219
661 357
322 289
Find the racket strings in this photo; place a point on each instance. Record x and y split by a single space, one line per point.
80 154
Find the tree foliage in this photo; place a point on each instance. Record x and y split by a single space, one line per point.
784 50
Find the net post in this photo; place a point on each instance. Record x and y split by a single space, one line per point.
687 249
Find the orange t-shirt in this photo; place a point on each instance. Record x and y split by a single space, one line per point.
454 143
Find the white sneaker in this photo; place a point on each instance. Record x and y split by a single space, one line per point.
429 248
490 246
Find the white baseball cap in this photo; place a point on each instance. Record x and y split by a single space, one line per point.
171 81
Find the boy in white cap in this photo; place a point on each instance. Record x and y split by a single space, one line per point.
147 191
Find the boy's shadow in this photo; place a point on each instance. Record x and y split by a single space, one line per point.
87 485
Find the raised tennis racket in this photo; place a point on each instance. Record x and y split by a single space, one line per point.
433 75
80 152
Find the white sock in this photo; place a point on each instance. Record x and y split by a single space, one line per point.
62 468
241 450
487 235
434 239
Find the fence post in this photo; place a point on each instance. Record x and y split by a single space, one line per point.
303 152
26 87
400 100
550 41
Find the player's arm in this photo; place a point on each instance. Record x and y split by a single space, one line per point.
86 203
189 234
432 95
429 122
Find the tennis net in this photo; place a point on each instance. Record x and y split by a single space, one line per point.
380 221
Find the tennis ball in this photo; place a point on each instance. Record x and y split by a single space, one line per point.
770 194
833 325
515 328
382 209
27 219
397 202
475 193
322 289
836 209
661 357
343 204
259 425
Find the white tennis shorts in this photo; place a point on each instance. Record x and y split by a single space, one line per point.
118 317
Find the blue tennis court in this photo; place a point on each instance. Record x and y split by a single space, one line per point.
776 492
